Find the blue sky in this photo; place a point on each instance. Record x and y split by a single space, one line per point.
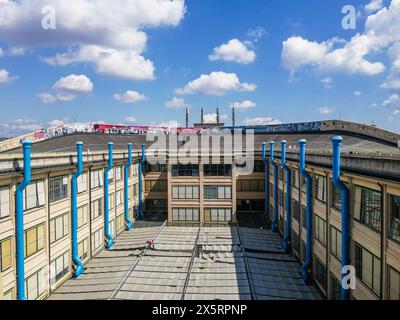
318 74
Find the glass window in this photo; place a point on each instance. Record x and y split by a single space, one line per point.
82 182
185 170
394 214
5 255
368 268
119 197
4 202
320 189
59 267
394 284
59 227
156 185
135 190
186 214
160 205
296 178
96 179
337 197
34 195
296 241
118 173
296 209
82 216
217 192
34 285
34 240
97 208
336 243
320 272
218 214
185 192
368 209
250 205
335 288
157 167
58 188
83 249
217 170
320 229
97 239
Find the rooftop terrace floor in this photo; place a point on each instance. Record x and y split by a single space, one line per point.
191 263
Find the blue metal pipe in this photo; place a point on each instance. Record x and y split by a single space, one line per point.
141 164
288 229
337 141
74 214
126 188
19 221
266 164
109 239
306 267
274 224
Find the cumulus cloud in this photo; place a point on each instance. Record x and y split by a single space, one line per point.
130 119
212 117
393 100
381 31
247 104
5 76
216 84
357 93
233 51
67 88
74 84
326 110
176 103
261 121
374 6
256 33
130 97
56 123
107 34
19 127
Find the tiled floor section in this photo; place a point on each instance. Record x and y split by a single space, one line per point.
192 263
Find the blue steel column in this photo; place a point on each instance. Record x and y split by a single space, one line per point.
141 164
288 229
126 188
266 164
109 239
19 221
337 141
274 223
74 214
306 267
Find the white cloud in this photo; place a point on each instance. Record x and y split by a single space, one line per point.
110 31
381 30
256 33
74 84
393 100
212 117
374 6
261 121
216 84
1 52
56 123
396 112
130 97
233 51
47 97
176 103
357 93
326 110
5 76
247 104
327 82
130 119
19 127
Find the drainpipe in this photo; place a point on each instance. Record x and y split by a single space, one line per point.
288 229
109 239
74 216
141 164
264 157
274 223
126 187
336 142
19 221
305 271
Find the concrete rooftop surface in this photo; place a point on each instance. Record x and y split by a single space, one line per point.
238 262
